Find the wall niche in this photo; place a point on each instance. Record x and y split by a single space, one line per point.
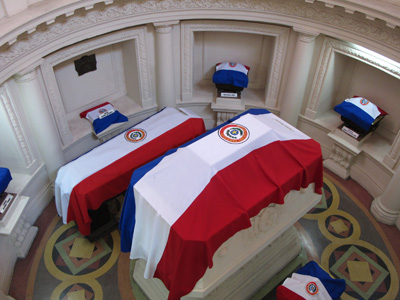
262 47
345 70
121 76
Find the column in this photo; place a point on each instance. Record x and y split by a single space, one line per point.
298 75
41 122
398 222
386 208
165 67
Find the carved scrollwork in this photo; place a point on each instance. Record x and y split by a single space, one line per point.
222 117
262 223
341 156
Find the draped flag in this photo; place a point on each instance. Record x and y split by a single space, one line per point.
360 111
309 283
181 207
105 171
103 116
5 178
231 73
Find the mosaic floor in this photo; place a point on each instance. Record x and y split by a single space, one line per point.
339 233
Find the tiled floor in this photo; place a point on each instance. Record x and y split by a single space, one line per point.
339 234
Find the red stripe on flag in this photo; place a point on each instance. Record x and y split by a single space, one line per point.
225 206
112 180
283 293
84 113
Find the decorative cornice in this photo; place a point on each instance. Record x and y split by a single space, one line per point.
28 20
84 23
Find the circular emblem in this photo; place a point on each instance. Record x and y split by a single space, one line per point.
234 133
364 101
312 288
232 64
135 135
102 110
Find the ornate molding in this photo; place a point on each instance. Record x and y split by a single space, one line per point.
281 34
342 157
26 77
85 23
137 34
306 38
164 27
22 236
143 68
329 48
266 220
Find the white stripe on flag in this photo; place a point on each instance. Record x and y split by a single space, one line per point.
100 157
94 114
369 108
163 194
300 284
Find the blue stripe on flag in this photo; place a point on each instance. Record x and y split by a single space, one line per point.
128 219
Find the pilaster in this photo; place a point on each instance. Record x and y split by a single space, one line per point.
165 66
386 208
42 125
293 96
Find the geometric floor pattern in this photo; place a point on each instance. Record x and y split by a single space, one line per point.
349 253
339 233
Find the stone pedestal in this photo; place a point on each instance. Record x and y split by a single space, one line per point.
345 148
16 238
15 227
227 108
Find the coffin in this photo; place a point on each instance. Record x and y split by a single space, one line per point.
250 258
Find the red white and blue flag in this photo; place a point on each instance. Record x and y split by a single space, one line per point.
360 111
103 116
231 73
181 207
104 172
311 282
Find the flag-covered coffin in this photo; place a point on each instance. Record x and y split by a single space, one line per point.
311 282
360 113
181 207
105 171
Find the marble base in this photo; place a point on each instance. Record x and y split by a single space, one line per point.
345 148
382 214
245 262
244 282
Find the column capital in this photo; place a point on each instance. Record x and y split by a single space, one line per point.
29 72
164 27
304 35
26 76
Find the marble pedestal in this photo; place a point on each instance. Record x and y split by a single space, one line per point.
344 149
